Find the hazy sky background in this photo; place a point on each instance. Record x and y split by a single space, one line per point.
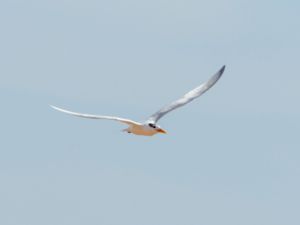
232 157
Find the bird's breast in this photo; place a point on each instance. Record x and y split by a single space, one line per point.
141 130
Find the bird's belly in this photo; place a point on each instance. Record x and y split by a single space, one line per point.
141 131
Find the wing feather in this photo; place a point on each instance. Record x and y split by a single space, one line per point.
89 116
188 97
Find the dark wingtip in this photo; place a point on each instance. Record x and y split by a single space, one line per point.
222 69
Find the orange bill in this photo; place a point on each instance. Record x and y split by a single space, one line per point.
162 131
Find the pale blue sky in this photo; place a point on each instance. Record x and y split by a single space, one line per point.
231 157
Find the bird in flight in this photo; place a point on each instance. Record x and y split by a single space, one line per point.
150 127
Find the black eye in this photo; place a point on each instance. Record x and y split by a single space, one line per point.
152 125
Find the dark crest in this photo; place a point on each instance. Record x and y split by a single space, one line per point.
152 125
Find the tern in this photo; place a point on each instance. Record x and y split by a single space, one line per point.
150 126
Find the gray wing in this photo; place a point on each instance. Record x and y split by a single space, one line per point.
188 97
122 120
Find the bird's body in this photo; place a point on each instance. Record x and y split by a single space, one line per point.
143 129
149 127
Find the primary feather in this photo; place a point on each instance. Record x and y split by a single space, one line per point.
188 97
89 116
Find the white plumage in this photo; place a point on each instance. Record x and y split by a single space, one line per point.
149 127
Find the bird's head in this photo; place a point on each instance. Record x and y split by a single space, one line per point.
157 128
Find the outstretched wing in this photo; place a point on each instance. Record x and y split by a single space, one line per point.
188 97
127 121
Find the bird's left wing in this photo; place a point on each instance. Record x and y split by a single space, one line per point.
122 120
188 97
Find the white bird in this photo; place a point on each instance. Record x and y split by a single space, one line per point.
149 127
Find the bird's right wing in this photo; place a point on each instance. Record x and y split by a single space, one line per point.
122 120
188 97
